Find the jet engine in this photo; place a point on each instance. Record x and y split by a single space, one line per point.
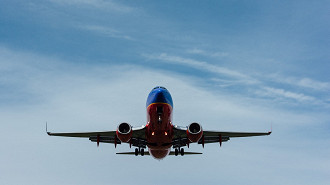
124 132
194 132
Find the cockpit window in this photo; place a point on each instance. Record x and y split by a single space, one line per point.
159 87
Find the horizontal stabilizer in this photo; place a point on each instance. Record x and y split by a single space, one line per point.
185 153
147 153
131 153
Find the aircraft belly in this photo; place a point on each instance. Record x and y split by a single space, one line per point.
159 129
159 153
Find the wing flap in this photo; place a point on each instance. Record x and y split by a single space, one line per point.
105 139
213 139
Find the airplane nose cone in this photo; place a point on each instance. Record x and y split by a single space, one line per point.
159 96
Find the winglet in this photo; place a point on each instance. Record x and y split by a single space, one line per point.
271 129
47 129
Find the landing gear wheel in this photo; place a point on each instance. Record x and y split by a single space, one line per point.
176 152
142 152
182 151
136 152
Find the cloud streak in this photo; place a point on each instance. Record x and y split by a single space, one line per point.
301 82
201 65
98 4
207 53
106 31
225 77
274 92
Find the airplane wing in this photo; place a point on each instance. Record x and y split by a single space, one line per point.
180 136
138 136
84 134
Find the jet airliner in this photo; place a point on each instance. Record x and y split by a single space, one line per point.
159 134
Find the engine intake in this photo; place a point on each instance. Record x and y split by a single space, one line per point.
194 132
124 132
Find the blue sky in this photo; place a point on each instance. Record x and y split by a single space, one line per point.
88 65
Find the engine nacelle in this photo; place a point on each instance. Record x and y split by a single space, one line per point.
194 132
124 132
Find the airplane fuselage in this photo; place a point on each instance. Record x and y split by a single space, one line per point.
159 132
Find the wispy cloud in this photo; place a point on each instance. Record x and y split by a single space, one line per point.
223 83
201 65
99 4
207 53
106 31
281 93
225 77
301 82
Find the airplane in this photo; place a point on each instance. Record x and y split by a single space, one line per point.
159 135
